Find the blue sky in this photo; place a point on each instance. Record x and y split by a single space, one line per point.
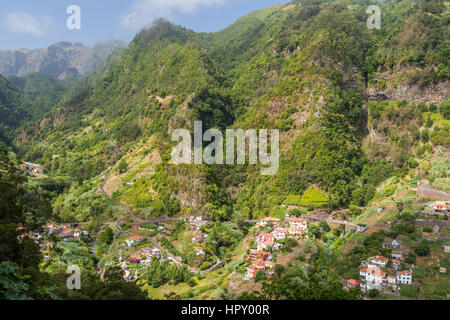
37 24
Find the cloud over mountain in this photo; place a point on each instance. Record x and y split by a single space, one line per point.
144 12
21 22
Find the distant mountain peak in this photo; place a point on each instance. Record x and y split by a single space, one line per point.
60 60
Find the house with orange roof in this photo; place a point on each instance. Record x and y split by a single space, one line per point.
440 208
380 261
298 223
352 283
373 276
280 233
134 240
405 277
295 232
269 220
258 255
199 251
198 238
66 233
395 264
264 236
265 245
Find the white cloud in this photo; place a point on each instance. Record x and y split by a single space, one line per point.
144 12
24 23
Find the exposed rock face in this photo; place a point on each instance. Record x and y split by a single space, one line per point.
435 93
61 60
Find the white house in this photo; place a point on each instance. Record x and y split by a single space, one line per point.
265 245
264 222
404 277
373 276
134 240
380 261
280 233
391 279
199 251
66 233
397 254
298 223
295 232
361 227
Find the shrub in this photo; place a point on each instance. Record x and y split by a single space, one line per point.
409 291
314 197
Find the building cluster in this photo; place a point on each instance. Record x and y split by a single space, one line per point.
195 224
146 256
31 168
266 242
64 231
382 273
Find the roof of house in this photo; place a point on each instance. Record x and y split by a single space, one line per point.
406 272
376 271
270 219
380 258
353 282
395 261
258 263
68 230
297 220
265 234
134 238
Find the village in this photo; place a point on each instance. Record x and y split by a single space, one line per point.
64 232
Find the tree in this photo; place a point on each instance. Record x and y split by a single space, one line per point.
106 236
444 109
323 225
260 276
373 293
423 250
123 166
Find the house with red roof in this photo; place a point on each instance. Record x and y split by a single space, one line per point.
134 240
66 233
264 236
269 220
280 233
294 232
352 283
298 223
440 208
405 277
258 255
265 245
380 261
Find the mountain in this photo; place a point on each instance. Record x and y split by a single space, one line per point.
61 60
15 109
